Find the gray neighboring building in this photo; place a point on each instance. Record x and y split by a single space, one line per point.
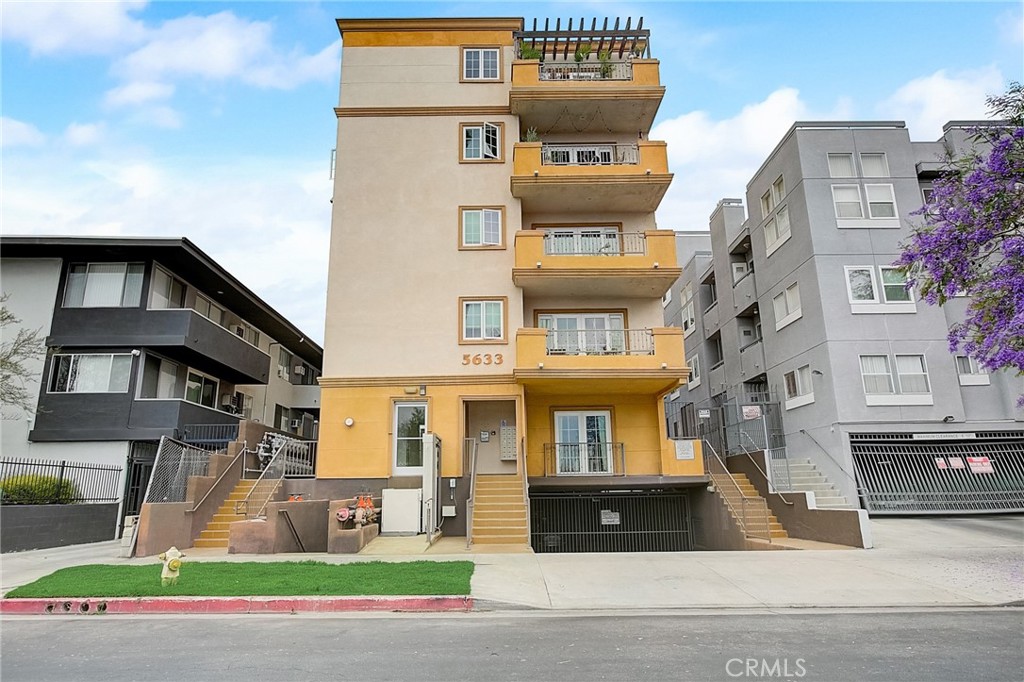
799 302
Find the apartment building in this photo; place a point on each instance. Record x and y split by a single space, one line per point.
496 281
798 324
147 337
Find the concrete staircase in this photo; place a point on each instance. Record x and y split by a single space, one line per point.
216 532
805 477
755 520
499 511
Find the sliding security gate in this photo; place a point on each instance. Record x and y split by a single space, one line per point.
940 473
633 521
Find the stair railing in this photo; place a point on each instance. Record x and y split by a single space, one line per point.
268 481
521 467
752 513
229 467
470 445
771 484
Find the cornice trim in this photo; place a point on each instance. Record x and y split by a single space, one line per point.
356 112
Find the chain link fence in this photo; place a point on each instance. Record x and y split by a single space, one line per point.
175 463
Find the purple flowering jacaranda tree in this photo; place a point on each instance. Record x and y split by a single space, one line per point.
969 239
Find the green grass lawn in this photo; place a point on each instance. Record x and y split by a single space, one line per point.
284 578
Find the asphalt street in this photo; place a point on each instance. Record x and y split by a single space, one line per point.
896 646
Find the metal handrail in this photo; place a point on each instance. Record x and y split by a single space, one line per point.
723 479
593 241
600 342
615 452
768 480
559 154
473 446
276 464
228 468
613 71
521 468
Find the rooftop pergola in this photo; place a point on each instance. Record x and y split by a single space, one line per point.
557 43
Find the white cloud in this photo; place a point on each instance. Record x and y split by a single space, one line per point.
714 159
222 46
82 134
137 92
267 221
72 27
1011 27
928 102
14 133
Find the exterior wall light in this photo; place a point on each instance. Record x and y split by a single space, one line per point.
349 421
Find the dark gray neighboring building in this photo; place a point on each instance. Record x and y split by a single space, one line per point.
799 301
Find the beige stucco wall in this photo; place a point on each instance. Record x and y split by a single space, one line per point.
415 77
394 284
641 313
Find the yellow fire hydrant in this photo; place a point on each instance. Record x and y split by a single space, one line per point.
172 564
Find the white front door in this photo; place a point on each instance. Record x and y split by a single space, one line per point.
407 442
583 443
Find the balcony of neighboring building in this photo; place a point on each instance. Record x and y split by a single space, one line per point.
564 177
595 260
181 334
561 95
596 361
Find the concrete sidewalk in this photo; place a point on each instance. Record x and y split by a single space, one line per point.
966 561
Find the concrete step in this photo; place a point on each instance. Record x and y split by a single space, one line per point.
488 513
831 501
813 487
205 542
218 525
228 518
212 534
498 538
497 498
487 525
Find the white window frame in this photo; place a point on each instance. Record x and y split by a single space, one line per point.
836 202
206 378
847 269
896 396
667 298
976 375
688 319
832 170
924 372
892 200
75 360
497 240
767 204
804 394
483 304
779 232
739 271
778 190
481 71
397 470
882 284
694 364
888 374
790 300
485 152
885 164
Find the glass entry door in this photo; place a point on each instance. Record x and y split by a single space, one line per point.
583 443
410 425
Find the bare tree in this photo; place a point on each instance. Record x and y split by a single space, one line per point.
18 346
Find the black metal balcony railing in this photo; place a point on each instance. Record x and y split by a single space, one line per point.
584 459
590 242
600 342
555 154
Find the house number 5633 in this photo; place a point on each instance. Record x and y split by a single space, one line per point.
482 359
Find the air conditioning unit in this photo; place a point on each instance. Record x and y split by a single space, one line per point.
227 400
300 370
296 423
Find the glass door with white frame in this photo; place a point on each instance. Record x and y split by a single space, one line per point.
584 333
409 427
583 445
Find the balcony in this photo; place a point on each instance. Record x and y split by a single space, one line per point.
589 261
555 96
712 319
584 459
590 177
752 359
180 334
644 361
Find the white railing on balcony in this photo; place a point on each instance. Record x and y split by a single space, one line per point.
593 241
584 459
600 342
554 154
563 71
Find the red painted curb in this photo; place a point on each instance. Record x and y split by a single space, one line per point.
201 605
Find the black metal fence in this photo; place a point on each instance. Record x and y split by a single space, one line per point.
36 481
634 521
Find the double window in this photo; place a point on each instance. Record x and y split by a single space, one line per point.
481 141
166 290
481 227
970 372
689 320
201 389
787 306
909 387
872 164
799 389
481 63
887 294
103 285
847 199
773 197
90 373
776 230
694 362
584 333
483 320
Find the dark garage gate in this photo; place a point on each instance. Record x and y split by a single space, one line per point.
610 521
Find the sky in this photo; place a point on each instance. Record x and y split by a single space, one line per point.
214 120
